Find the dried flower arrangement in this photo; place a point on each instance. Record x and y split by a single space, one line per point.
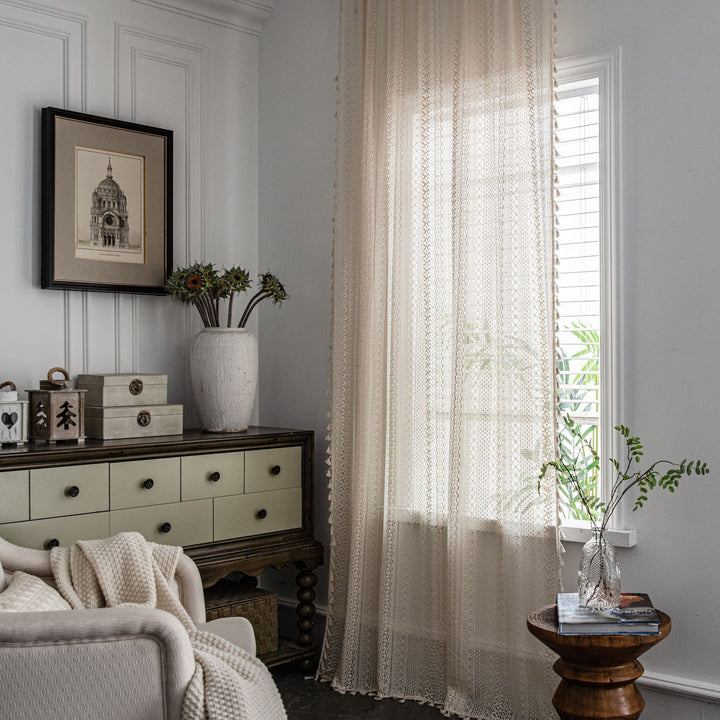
204 286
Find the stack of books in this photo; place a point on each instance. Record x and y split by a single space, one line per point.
635 616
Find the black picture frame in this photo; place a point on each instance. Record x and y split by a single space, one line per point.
105 230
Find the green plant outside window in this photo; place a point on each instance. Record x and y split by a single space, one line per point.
578 397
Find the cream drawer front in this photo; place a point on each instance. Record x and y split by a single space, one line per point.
189 522
65 530
243 515
14 496
68 490
138 483
273 469
207 476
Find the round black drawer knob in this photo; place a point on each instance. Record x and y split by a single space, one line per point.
261 514
72 491
214 476
165 528
275 470
54 542
148 484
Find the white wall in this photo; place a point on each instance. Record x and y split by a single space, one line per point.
669 294
186 65
298 65
670 298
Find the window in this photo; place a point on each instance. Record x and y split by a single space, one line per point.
586 159
586 220
481 371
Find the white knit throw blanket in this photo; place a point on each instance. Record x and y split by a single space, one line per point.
127 571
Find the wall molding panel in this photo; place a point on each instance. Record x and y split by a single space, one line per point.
246 16
186 65
56 39
136 46
68 27
161 80
64 39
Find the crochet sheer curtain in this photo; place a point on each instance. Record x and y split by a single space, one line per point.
442 379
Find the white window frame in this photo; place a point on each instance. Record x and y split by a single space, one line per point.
606 67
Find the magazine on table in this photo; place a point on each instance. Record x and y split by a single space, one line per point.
634 616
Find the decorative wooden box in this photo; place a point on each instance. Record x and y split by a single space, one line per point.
107 390
228 598
56 410
13 415
113 423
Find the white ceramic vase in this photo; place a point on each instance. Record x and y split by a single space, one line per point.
224 371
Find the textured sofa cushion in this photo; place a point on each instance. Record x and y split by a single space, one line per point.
3 584
28 593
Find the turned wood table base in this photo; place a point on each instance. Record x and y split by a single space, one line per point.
597 672
306 581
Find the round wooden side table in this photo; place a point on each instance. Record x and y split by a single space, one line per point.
598 671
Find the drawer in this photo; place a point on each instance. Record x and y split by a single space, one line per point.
138 483
189 522
52 489
207 476
14 495
273 469
243 515
66 530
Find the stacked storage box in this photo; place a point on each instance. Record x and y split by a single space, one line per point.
129 405
228 598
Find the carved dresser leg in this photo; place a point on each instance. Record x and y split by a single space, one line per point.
306 581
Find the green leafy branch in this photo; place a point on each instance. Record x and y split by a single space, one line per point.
567 472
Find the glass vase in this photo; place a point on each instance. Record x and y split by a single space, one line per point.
599 573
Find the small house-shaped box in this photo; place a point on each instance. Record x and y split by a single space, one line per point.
57 410
13 415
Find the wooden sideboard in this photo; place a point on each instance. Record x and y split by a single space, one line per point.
236 502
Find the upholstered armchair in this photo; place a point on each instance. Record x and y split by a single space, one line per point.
104 664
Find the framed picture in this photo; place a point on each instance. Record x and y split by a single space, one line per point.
106 204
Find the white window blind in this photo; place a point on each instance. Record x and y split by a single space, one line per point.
578 184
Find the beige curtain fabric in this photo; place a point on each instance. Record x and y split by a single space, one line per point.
442 385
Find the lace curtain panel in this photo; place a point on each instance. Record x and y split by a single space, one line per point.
442 359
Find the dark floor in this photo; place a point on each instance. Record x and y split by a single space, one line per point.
309 700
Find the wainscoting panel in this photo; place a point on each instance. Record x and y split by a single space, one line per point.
178 64
161 81
43 61
246 16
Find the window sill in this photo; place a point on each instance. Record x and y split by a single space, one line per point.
579 531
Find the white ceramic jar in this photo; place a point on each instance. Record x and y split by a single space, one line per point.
224 371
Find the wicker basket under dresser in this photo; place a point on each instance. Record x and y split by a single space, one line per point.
236 502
